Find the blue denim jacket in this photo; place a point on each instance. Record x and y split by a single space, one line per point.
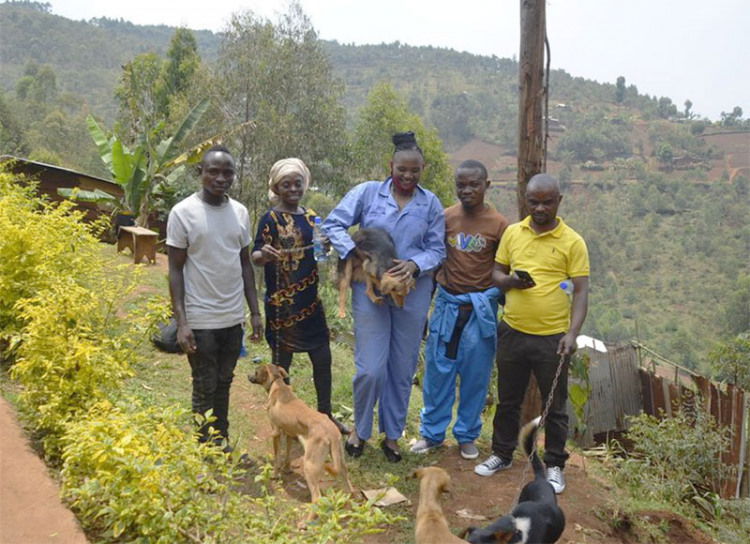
418 230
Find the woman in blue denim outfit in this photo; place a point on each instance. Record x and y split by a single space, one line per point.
387 338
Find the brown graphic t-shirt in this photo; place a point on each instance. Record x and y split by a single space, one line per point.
470 242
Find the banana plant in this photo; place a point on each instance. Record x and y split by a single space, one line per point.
139 170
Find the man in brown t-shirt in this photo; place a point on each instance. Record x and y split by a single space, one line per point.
463 325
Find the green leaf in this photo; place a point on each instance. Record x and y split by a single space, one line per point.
578 395
187 125
102 141
96 195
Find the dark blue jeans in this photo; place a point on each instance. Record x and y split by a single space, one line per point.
518 355
212 367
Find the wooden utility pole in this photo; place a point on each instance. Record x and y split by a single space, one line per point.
531 97
530 133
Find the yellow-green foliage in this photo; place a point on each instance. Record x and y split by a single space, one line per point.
66 360
134 475
41 244
57 314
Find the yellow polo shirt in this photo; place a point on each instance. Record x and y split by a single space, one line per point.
550 257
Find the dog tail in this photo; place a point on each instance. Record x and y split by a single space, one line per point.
527 437
338 466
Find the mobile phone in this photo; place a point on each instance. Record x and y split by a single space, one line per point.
525 276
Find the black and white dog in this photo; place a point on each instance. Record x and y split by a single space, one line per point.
536 518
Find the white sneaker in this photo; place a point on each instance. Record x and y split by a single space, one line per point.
556 478
468 450
424 445
492 465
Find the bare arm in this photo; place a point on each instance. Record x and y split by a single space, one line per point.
265 255
578 311
176 258
251 295
503 279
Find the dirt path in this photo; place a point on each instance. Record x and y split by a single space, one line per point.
30 507
472 495
588 502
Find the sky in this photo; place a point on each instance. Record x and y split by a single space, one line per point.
683 49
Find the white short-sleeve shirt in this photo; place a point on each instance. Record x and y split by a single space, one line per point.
213 237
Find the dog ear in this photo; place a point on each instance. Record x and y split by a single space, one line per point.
283 373
417 473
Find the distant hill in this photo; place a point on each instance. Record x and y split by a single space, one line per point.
86 56
464 96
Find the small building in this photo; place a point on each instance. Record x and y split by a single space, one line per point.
51 178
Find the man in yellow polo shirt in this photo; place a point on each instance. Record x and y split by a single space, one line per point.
540 323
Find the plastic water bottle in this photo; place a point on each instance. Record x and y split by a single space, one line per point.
319 249
567 286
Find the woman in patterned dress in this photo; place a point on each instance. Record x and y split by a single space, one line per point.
295 320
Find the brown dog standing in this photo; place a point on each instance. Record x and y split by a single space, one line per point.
369 262
431 526
291 418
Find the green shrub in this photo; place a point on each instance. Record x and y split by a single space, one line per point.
676 460
41 245
133 474
66 362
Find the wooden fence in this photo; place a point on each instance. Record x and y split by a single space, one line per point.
625 383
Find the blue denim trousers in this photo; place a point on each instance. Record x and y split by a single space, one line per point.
212 367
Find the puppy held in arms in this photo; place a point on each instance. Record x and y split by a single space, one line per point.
431 526
373 255
536 518
291 418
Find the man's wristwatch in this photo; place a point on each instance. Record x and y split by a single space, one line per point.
417 271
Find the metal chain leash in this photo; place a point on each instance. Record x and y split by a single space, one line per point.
543 418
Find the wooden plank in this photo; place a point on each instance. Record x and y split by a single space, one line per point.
626 386
646 392
675 398
601 416
140 231
736 422
660 404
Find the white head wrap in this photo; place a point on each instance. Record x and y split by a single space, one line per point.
284 168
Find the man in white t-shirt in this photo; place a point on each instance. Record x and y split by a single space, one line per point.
210 272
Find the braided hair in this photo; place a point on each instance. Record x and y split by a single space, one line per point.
405 141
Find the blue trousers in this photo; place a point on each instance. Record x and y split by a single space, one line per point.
471 362
387 343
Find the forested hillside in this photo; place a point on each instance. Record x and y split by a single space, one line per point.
660 196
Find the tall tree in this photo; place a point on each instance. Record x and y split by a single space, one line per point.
12 137
137 94
179 69
277 77
620 90
385 114
688 106
153 89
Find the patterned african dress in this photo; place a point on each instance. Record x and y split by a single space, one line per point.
294 313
